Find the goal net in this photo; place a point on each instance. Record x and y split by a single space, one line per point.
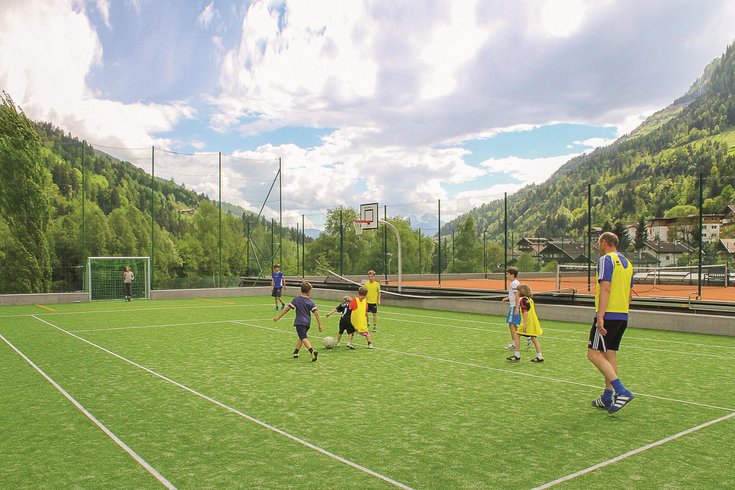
575 275
105 277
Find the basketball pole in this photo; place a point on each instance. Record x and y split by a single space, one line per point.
398 237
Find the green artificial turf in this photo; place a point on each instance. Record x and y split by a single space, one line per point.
434 405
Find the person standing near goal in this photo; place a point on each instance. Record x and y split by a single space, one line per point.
128 278
612 303
373 298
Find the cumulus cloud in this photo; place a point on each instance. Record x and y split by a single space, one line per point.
397 89
46 53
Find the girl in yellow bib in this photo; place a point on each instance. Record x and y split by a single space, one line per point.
530 327
358 315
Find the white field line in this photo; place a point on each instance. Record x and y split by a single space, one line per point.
510 371
556 329
136 327
563 339
634 452
235 411
128 310
138 459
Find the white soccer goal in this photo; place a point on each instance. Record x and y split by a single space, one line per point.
105 277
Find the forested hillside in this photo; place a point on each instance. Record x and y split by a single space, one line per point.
644 175
44 194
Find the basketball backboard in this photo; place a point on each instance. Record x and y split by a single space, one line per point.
369 212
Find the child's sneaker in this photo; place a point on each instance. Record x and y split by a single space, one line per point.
313 356
375 329
537 359
620 402
295 356
598 403
513 358
511 346
370 346
529 343
276 308
352 347
283 305
339 344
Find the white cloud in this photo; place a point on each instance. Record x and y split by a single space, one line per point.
47 77
527 170
206 16
104 8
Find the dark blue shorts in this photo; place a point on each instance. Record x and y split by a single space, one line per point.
372 308
276 293
301 331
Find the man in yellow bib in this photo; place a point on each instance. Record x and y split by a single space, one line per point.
612 301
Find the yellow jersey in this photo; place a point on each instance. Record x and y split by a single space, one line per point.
614 268
373 292
358 316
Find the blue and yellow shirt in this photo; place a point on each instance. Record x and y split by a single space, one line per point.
618 271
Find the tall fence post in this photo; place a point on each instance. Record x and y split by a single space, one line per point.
505 235
589 238
153 212
341 244
439 240
219 226
84 238
701 222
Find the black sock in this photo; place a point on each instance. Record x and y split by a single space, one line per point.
295 351
311 351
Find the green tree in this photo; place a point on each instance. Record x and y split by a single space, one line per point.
467 248
24 188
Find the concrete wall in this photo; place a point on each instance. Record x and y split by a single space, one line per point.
678 322
43 298
656 320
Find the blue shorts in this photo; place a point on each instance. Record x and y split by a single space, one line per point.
301 331
513 317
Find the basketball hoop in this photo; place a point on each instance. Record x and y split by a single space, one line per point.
358 224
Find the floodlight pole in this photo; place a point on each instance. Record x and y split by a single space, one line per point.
398 238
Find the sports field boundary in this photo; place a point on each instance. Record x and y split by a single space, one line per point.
656 320
235 411
138 459
634 452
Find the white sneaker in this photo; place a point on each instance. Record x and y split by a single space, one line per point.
352 347
529 343
370 346
511 346
339 344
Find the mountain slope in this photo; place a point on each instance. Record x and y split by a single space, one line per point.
643 174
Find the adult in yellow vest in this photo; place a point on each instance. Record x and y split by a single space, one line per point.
612 301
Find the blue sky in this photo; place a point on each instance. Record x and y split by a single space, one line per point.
400 102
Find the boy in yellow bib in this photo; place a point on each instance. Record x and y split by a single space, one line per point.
530 327
373 298
358 315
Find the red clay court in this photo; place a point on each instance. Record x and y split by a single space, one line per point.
540 285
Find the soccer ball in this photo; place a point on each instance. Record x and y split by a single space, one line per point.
329 342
